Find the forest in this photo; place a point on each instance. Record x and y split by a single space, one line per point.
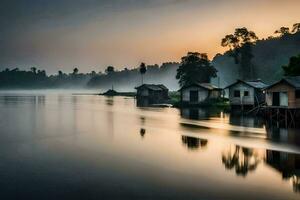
247 57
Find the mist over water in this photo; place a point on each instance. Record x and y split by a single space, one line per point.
57 145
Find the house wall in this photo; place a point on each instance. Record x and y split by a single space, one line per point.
260 96
242 100
143 92
215 94
283 87
202 94
146 97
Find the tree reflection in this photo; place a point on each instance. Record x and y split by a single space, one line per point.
142 132
296 183
241 159
109 101
288 164
193 143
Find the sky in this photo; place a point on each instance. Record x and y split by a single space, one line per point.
92 34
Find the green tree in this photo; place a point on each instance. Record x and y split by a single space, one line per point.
283 31
143 71
293 68
195 68
240 44
296 28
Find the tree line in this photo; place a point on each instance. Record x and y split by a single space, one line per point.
194 67
197 68
35 78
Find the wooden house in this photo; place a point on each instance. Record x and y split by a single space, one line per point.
284 93
198 93
149 94
245 94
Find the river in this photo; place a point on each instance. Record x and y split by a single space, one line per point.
59 145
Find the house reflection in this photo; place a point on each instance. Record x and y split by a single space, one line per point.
288 164
109 101
246 120
244 160
281 133
240 159
193 143
143 103
199 113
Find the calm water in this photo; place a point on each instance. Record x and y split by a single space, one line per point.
62 146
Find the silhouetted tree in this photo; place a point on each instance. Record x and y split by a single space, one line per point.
93 73
41 73
38 79
283 31
143 70
195 68
75 71
296 28
240 44
293 68
109 70
60 73
33 70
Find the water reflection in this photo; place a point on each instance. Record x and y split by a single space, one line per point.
199 113
105 152
142 132
281 133
241 159
246 120
244 160
194 143
36 99
287 164
109 101
143 102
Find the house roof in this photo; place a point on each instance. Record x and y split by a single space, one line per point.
293 81
153 87
207 86
258 84
110 93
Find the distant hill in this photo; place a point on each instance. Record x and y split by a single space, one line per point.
269 56
127 80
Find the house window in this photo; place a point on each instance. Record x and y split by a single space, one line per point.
237 93
297 94
246 93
